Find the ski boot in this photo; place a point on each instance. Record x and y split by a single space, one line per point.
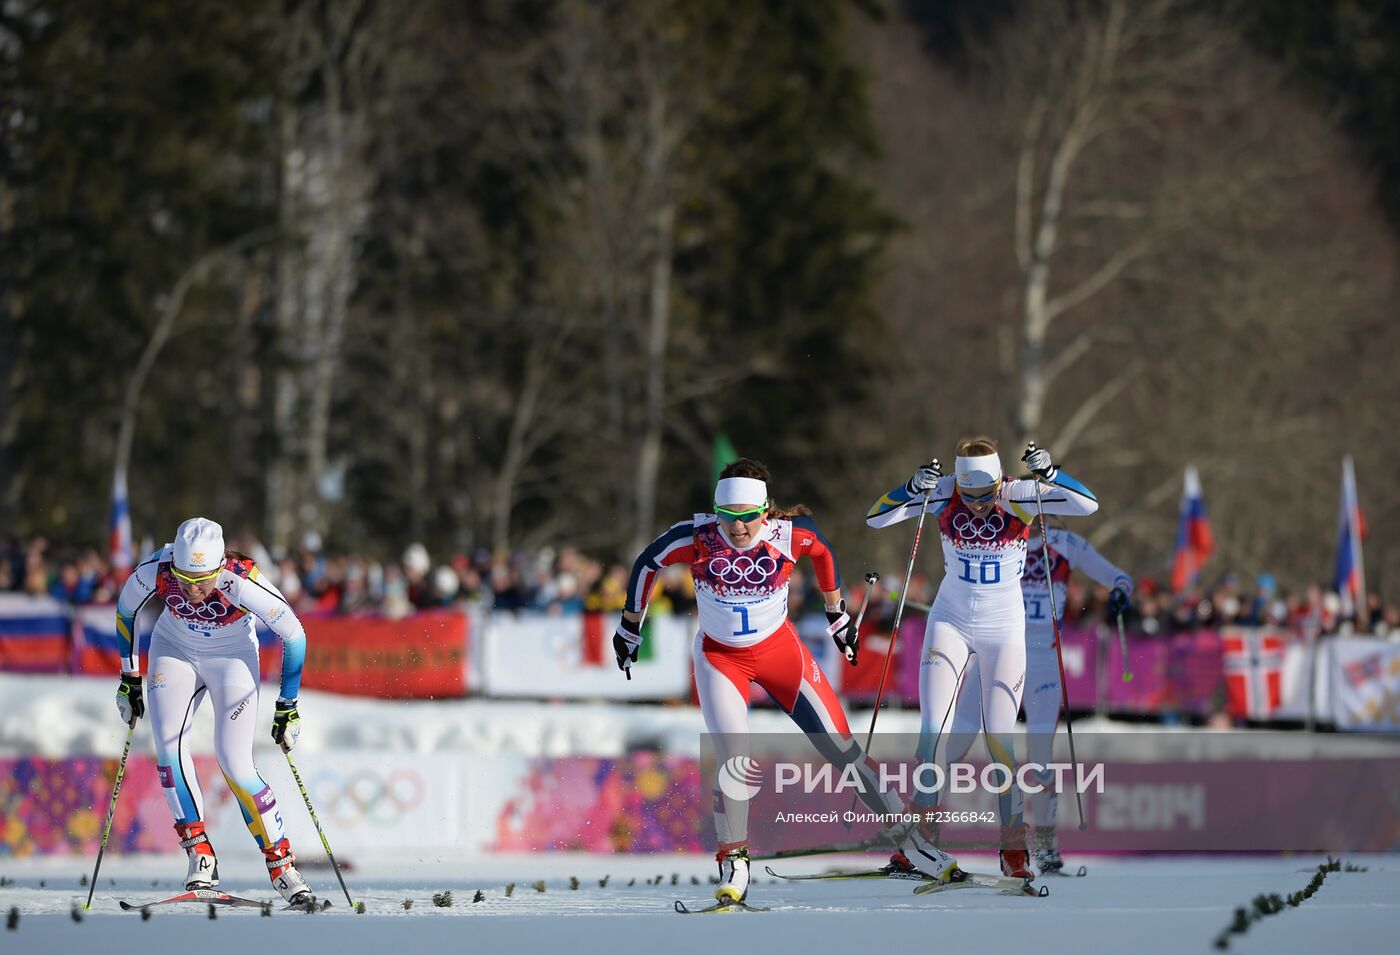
733 875
1015 860
203 871
917 855
1047 850
281 867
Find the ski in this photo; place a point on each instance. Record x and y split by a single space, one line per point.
972 880
1079 873
312 904
866 845
882 873
1006 885
717 908
207 896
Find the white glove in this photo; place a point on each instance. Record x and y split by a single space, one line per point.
1039 463
925 478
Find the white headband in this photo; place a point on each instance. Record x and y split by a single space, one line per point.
981 471
741 490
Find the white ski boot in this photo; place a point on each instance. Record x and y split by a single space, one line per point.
917 855
281 866
203 869
733 875
1047 850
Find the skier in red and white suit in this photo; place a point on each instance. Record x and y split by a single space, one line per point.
1068 552
983 521
741 558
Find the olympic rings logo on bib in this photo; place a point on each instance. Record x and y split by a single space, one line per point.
210 610
1035 567
743 569
970 527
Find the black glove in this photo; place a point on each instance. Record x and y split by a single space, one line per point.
286 724
924 479
843 630
627 640
130 704
1117 602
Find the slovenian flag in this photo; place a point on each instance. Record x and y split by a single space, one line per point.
1194 540
1350 578
119 532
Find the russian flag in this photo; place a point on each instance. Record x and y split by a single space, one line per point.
119 531
1350 578
1194 539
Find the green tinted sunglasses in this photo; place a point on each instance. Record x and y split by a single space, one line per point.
745 516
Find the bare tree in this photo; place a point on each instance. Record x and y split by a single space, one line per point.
324 186
1153 250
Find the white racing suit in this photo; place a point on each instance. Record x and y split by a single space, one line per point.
978 614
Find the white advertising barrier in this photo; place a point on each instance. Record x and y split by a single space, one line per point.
1365 684
537 655
1307 679
366 802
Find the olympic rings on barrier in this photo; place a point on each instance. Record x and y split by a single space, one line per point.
743 569
367 797
972 527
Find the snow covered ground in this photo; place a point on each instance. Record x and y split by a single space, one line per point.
1124 905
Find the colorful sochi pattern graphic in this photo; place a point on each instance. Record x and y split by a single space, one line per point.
725 570
644 802
59 805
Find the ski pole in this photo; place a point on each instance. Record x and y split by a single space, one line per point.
898 616
111 811
306 796
1123 649
894 632
1059 654
871 579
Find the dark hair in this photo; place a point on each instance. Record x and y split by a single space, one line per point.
749 468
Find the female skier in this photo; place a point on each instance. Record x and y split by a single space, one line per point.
203 644
741 558
1043 696
984 521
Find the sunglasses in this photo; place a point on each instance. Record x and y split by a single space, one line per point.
197 578
745 516
980 498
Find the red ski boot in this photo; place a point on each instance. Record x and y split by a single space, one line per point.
203 871
281 867
1015 860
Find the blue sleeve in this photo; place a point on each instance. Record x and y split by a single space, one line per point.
670 548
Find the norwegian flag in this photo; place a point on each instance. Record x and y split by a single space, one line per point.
1253 663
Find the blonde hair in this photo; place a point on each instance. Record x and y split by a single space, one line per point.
976 447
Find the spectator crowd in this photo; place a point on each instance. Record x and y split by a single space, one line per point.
566 581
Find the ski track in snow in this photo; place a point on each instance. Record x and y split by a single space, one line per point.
1123 905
